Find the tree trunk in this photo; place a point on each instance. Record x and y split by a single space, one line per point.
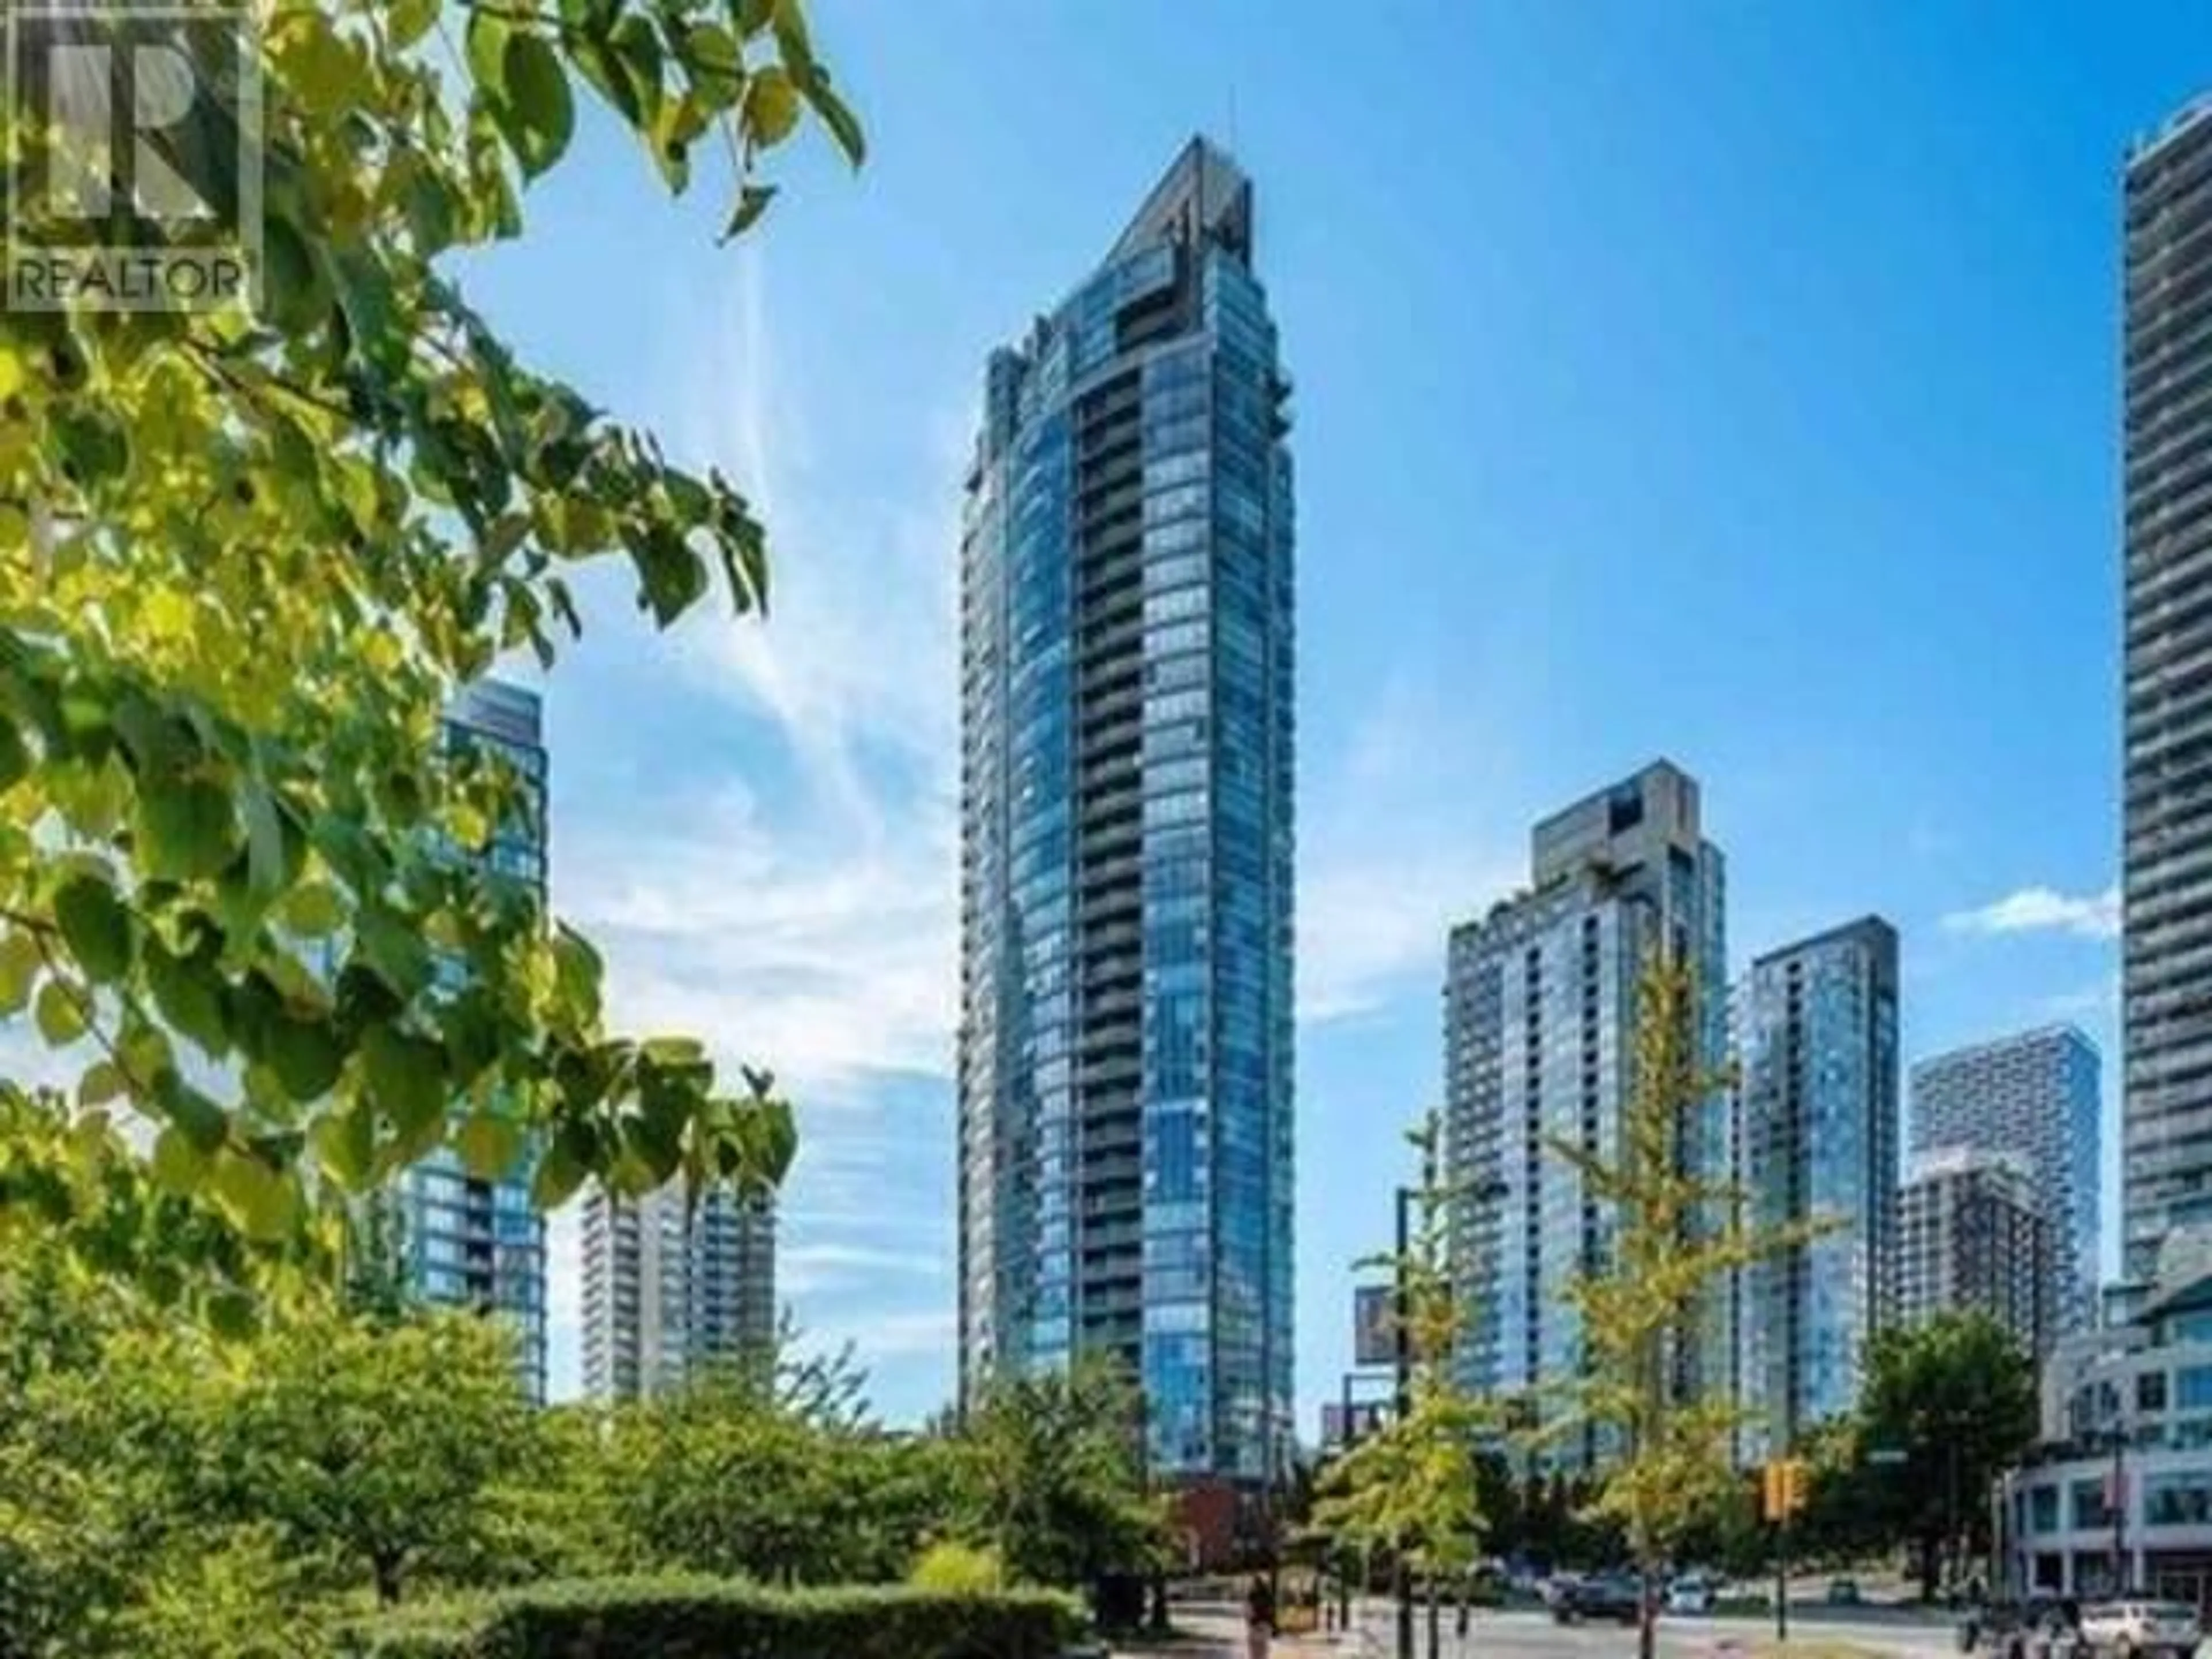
1929 1546
1647 1620
385 1568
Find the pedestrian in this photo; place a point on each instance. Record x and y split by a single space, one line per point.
1259 1616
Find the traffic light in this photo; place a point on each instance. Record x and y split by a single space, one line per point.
1784 1487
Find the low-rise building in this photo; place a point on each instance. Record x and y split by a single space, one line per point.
2127 1416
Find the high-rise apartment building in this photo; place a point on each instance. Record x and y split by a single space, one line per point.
1125 1041
1816 1029
466 1241
2166 862
1972 1238
1540 1003
675 1290
2035 1093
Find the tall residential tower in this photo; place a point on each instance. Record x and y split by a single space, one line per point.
1125 1034
673 1291
1816 1030
1540 1004
2166 1161
2035 1095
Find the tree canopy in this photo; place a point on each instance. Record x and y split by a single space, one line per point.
245 559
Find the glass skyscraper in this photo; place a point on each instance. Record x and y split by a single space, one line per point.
1540 1003
1816 1035
2165 1165
2036 1094
466 1241
1125 1041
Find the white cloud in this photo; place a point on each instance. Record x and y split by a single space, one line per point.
2043 909
821 1265
1388 862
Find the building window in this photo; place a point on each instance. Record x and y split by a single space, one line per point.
2193 1386
2150 1391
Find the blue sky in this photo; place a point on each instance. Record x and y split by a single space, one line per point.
1726 380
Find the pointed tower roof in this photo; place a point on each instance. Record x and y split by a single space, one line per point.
1203 194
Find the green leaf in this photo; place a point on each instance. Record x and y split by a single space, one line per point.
95 926
186 827
398 956
15 756
560 1172
188 992
752 201
771 107
305 1055
265 840
486 51
409 20
489 1143
843 126
577 971
539 113
59 1012
406 1079
20 962
198 1118
262 1199
716 63
314 910
103 1081
345 1142
178 1166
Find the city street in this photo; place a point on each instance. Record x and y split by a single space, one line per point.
1534 1635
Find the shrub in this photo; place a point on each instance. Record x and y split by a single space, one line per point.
716 1619
955 1569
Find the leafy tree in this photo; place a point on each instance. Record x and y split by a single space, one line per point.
1051 1476
378 1448
1675 1234
1957 1397
1411 1486
245 559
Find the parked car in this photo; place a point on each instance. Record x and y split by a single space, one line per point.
2039 1626
1615 1595
1844 1593
2152 1630
1693 1593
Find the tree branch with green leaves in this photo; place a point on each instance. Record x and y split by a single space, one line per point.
246 561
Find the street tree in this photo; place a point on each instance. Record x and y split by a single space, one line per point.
1052 1477
1412 1485
1953 1401
376 1448
1675 1233
246 557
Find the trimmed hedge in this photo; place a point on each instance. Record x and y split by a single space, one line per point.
717 1618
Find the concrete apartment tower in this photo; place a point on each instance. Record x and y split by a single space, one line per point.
2165 1165
1125 1032
1972 1238
672 1291
2034 1094
1540 1001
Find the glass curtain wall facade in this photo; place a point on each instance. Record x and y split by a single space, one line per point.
2037 1094
1125 1046
1817 1026
2166 860
1540 1002
466 1241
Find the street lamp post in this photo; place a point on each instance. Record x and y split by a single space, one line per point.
1402 1351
